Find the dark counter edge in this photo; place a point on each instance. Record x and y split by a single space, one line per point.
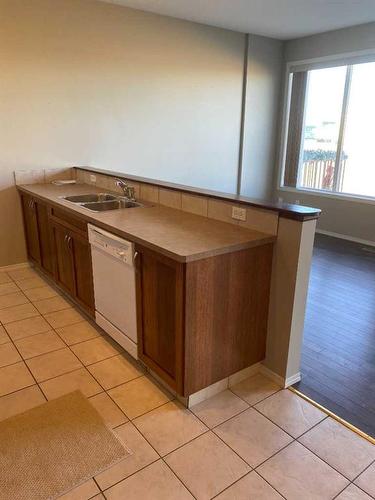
264 238
286 210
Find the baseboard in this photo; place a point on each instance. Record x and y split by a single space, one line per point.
346 237
13 267
293 379
272 375
238 377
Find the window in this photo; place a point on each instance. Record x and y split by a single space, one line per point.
332 129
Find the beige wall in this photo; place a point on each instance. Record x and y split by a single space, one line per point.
289 284
262 112
85 82
349 218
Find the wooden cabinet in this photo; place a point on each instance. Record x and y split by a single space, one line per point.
45 237
160 288
38 233
64 264
57 243
31 228
198 322
202 321
83 280
73 269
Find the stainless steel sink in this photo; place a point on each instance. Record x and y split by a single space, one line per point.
91 198
101 202
103 206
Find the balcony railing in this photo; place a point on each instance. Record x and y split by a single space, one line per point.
320 174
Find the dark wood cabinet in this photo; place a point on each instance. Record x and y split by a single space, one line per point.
198 322
202 321
31 228
83 280
45 237
160 288
64 265
73 269
57 243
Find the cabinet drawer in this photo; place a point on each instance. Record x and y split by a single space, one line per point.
68 220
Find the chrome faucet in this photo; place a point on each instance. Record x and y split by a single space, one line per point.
129 191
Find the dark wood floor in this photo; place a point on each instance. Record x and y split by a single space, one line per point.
338 355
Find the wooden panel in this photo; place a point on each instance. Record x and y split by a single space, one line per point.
45 238
226 315
160 312
66 219
31 228
64 267
84 286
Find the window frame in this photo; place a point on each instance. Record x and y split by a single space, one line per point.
347 59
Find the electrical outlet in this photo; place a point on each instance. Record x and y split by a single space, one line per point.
93 178
239 213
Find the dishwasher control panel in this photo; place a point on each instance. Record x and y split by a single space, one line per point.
111 244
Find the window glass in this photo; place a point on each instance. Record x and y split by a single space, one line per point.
320 134
358 161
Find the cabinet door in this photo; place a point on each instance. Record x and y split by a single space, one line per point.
31 228
160 284
45 238
64 265
84 286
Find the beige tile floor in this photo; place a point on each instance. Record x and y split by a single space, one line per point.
254 441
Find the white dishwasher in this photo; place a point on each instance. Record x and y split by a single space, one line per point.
114 287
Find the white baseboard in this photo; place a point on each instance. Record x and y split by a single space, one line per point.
207 392
230 381
272 375
346 237
293 379
13 267
238 377
281 381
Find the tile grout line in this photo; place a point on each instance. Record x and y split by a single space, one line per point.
32 375
161 457
208 430
158 454
297 440
247 474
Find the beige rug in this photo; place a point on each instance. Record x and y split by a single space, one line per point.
52 448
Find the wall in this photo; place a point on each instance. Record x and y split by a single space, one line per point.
261 118
350 218
84 82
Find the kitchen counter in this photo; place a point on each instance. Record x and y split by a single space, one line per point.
180 235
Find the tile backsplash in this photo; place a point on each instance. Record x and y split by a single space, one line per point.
256 218
43 176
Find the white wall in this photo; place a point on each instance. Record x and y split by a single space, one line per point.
89 83
350 218
262 113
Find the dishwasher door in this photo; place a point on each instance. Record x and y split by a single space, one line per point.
114 286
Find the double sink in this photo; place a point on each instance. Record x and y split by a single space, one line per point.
101 202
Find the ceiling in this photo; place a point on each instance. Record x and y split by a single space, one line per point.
283 19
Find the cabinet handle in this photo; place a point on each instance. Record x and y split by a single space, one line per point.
136 261
70 242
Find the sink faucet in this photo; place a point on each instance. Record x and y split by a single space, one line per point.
129 191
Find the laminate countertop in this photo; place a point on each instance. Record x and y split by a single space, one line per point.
180 235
